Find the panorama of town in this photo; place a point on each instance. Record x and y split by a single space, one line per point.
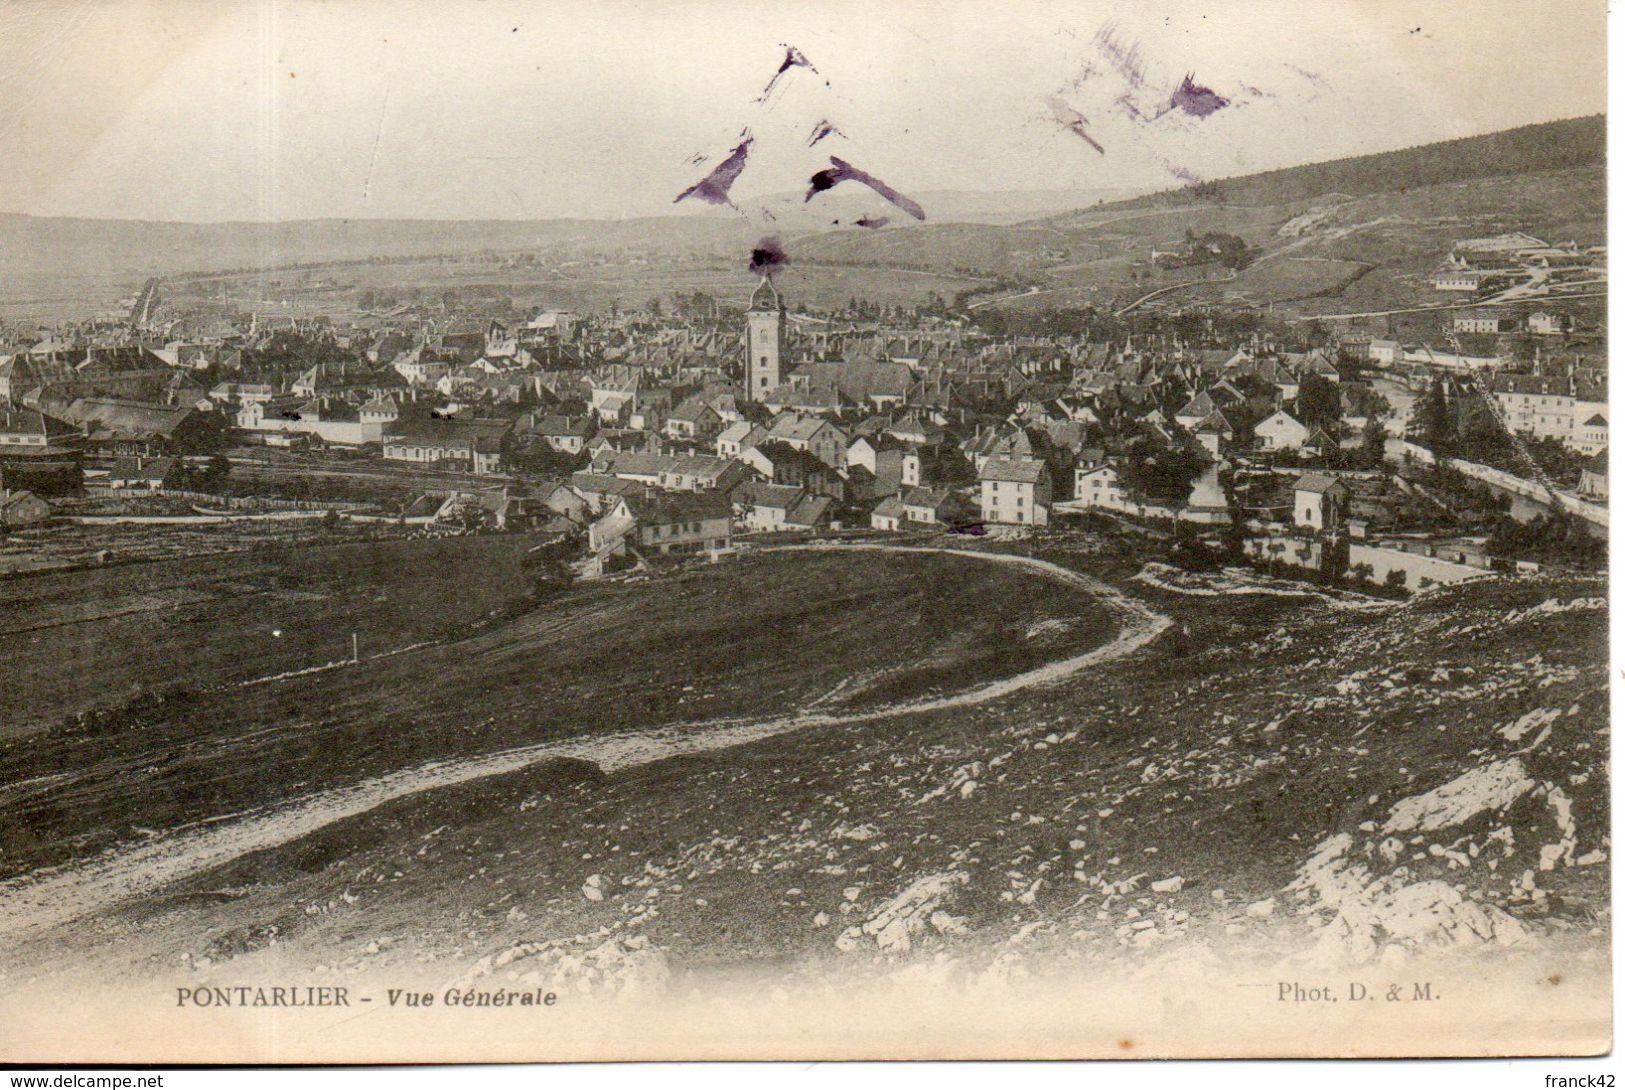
1387 452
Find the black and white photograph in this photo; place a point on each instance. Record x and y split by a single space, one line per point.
747 530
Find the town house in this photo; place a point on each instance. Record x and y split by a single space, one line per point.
1015 491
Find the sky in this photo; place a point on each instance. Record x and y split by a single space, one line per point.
288 109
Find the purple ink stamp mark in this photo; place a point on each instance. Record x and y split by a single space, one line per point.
1197 100
793 58
1073 121
842 171
714 187
768 257
821 130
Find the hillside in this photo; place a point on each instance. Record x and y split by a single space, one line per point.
1530 149
1279 782
1352 234
44 254
58 255
211 735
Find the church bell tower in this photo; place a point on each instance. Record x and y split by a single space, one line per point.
764 341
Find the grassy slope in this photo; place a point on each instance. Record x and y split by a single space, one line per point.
761 636
98 637
1552 145
1399 237
1221 756
1394 215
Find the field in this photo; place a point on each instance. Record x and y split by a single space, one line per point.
99 637
762 636
585 287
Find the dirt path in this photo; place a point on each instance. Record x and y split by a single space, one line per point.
1150 295
52 897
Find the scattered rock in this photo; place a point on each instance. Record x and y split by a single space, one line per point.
896 922
1488 787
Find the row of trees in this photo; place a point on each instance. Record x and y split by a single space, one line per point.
1557 538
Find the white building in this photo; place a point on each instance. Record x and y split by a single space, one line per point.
1100 486
814 434
1547 324
1536 405
1015 491
1280 431
764 341
1457 280
1481 323
1384 352
733 439
1591 435
1318 502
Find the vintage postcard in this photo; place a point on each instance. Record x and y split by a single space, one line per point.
554 530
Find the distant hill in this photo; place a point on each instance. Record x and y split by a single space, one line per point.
1553 145
66 257
942 206
28 243
1356 233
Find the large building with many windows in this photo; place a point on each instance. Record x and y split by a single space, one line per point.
1015 490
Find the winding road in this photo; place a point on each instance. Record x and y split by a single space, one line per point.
53 897
1150 295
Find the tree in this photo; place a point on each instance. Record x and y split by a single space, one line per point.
1553 538
1437 430
1395 579
947 466
1373 442
1167 475
215 473
1190 552
1320 404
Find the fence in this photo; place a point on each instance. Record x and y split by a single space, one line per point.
209 499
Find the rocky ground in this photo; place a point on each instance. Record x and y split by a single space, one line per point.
1273 781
